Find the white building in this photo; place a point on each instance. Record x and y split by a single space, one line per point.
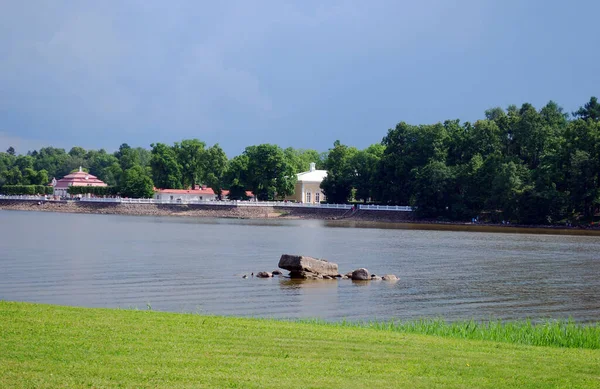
186 195
308 186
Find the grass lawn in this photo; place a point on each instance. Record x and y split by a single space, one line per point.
44 346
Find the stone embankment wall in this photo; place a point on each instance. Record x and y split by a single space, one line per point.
190 210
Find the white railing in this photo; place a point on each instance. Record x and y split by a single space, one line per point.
370 207
24 197
231 203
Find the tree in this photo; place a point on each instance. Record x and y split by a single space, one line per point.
77 151
99 162
433 190
341 173
54 160
300 159
136 183
406 149
166 171
269 175
216 163
591 110
192 157
365 164
235 177
11 150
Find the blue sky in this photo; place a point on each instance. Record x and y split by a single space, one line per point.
295 73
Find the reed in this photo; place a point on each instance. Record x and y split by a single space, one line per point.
553 333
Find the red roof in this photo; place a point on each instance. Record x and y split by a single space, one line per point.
79 178
197 191
201 191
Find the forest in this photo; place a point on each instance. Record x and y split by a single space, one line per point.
519 164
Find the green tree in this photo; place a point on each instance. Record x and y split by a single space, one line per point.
300 159
235 177
591 110
365 165
192 157
77 152
166 171
269 174
54 160
216 163
13 177
136 183
10 151
341 173
433 190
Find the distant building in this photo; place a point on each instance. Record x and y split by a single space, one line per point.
199 193
308 186
79 178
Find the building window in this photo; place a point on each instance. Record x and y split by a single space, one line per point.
317 197
308 197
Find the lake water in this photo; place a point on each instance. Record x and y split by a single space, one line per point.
196 265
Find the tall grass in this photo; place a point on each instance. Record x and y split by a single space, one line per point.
554 333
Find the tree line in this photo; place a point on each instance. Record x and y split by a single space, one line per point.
267 170
517 164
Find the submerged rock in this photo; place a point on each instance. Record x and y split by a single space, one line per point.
389 277
301 266
361 274
264 274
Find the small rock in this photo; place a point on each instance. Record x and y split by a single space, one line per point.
348 275
376 278
244 276
361 274
337 276
276 273
264 274
389 277
327 277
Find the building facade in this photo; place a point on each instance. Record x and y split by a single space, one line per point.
308 186
199 193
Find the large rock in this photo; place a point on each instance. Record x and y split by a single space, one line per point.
301 266
361 274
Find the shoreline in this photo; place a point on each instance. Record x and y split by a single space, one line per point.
332 217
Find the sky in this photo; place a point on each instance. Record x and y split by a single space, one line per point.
303 73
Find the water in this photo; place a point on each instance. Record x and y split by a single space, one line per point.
196 265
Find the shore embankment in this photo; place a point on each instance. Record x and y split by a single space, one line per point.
360 218
188 210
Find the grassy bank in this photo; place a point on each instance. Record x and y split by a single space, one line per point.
53 346
553 333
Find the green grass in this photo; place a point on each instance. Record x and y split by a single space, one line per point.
43 346
554 333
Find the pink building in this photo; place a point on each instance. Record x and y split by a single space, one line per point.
79 178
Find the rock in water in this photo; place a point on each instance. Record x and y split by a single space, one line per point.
389 277
301 266
264 274
361 274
